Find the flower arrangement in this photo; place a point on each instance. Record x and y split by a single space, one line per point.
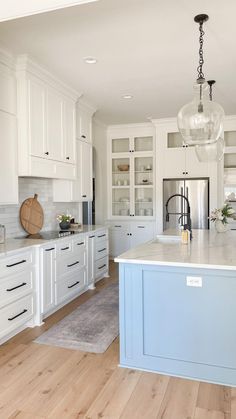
222 214
64 217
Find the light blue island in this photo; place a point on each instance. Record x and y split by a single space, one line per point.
178 307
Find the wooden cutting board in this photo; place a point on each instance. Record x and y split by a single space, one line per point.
31 215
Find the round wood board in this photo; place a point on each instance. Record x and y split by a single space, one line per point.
31 215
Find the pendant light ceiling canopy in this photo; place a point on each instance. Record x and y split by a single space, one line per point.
200 121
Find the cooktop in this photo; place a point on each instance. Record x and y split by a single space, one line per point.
49 235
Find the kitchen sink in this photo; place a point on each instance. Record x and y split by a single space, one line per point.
166 239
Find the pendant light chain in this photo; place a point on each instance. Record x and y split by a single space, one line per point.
201 77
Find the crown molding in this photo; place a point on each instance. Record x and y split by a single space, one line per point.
26 64
130 126
7 58
86 106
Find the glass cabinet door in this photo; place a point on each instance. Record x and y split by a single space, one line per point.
143 184
121 187
143 144
143 202
143 171
120 145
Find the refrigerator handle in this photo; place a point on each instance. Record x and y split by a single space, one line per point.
182 206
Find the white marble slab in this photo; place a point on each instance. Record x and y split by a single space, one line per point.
208 249
12 245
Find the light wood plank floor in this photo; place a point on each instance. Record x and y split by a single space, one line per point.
38 381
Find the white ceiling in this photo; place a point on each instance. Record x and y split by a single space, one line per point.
11 9
147 48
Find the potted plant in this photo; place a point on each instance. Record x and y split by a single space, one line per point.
64 221
220 217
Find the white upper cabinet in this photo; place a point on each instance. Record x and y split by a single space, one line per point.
8 159
7 89
55 125
177 160
46 123
69 132
84 113
37 118
8 133
82 187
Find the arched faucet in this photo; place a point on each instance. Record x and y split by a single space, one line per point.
182 214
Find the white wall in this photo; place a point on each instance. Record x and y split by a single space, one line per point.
100 153
9 214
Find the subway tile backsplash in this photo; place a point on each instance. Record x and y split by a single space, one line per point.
9 214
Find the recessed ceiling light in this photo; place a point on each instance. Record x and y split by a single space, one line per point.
90 60
127 97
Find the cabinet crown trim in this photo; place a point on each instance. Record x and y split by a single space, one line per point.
25 64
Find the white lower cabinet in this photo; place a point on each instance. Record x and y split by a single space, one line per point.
70 285
125 235
70 266
47 277
101 255
91 259
17 292
15 315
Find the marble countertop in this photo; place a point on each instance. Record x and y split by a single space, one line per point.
208 249
14 244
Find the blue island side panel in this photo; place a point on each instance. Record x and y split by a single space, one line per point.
171 328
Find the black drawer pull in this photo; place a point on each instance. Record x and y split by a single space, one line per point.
79 244
65 248
49 250
73 264
18 286
71 286
102 250
91 237
84 196
102 235
20 314
118 226
17 263
141 226
83 136
103 266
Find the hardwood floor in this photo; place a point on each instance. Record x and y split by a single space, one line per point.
39 381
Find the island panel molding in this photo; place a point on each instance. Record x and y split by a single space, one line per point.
170 328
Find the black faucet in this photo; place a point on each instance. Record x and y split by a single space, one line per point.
182 214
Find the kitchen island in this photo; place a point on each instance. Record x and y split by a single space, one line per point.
178 307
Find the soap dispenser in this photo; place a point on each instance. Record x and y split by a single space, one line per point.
185 235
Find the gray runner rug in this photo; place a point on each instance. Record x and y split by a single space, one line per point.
91 327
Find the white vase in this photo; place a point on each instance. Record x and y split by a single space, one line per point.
221 227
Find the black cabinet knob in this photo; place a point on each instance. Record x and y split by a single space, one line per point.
47 153
67 158
84 196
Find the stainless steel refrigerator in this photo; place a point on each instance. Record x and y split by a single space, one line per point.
197 192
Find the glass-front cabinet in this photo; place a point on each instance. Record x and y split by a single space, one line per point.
132 176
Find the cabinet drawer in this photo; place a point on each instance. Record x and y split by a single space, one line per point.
64 248
101 266
79 244
16 263
70 285
15 314
101 249
72 263
15 286
101 236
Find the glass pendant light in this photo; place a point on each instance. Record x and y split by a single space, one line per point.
213 151
199 121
